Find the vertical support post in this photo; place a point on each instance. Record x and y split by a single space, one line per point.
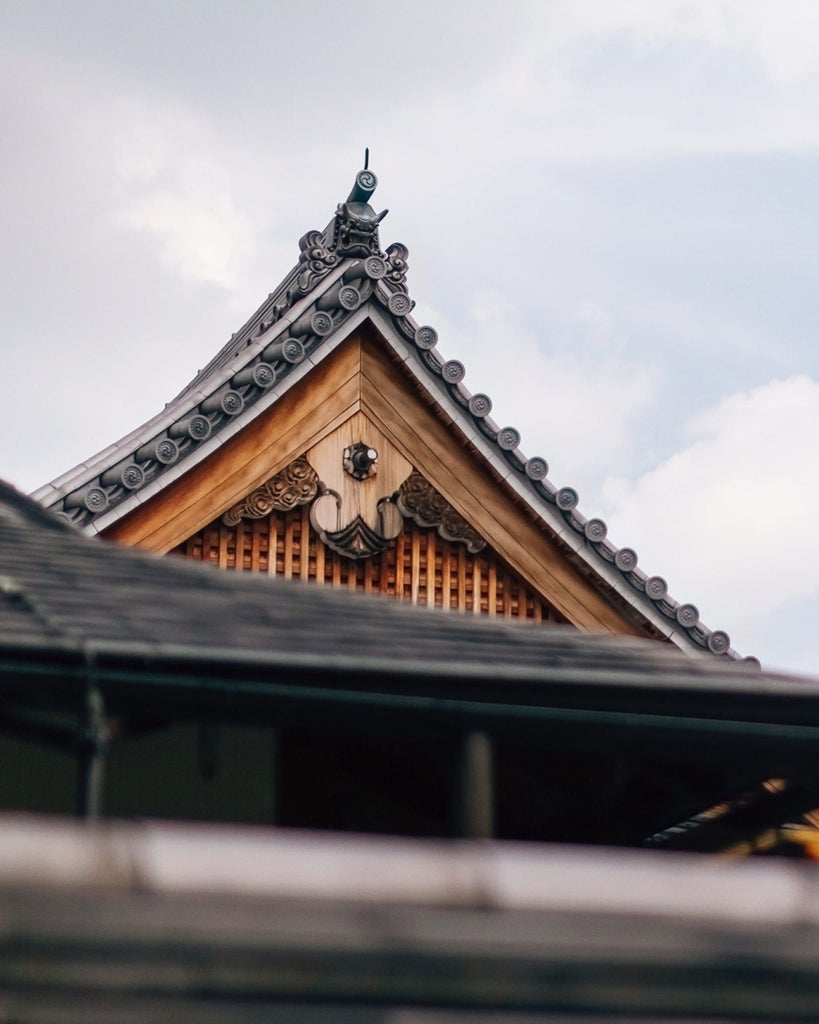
209 748
91 747
475 810
275 779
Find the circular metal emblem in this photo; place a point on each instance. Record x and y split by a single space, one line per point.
360 460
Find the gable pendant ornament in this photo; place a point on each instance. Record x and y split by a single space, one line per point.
357 539
348 532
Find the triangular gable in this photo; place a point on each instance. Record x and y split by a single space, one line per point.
337 340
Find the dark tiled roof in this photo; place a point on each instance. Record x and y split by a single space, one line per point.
63 592
335 286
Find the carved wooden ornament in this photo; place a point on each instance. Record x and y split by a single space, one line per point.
418 500
351 517
296 484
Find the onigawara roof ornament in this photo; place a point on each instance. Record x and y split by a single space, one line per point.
356 226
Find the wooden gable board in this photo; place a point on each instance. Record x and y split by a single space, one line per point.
359 378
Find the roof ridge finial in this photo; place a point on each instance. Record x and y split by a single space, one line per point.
356 224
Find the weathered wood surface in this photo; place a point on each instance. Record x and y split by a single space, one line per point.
358 497
420 567
392 401
359 377
306 413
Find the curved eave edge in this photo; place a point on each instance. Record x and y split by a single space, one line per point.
557 508
250 346
389 307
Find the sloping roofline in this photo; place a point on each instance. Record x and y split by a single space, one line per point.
343 280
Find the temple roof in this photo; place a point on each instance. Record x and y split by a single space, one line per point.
342 280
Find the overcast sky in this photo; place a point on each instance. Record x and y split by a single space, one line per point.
611 211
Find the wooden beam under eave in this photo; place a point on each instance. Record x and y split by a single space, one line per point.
311 409
439 452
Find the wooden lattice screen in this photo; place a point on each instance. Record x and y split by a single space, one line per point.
419 566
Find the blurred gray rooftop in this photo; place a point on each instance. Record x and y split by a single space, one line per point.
163 922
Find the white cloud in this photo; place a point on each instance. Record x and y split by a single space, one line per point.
780 37
633 79
731 519
200 233
170 182
576 404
